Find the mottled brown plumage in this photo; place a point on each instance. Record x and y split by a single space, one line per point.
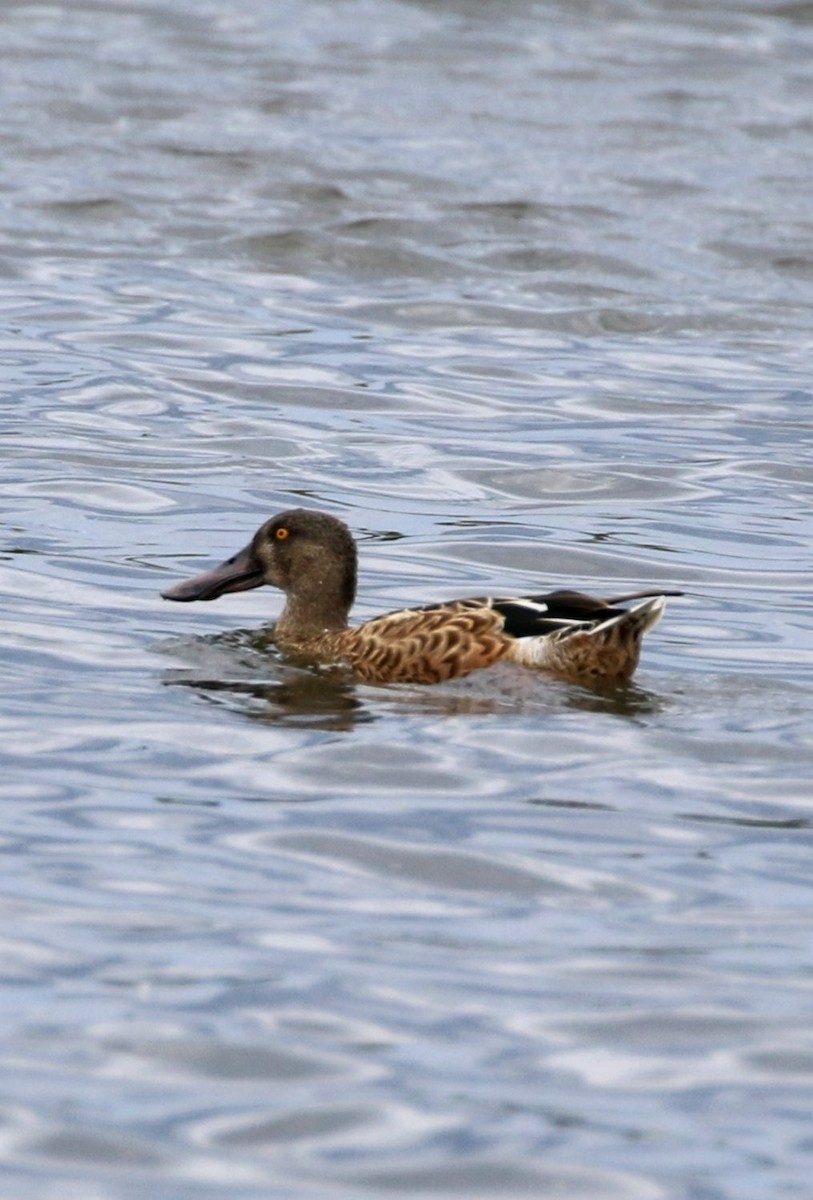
417 646
311 557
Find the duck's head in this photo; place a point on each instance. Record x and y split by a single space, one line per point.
310 556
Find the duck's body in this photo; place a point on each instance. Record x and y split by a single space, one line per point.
312 557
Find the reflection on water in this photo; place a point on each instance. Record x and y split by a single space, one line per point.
526 301
298 699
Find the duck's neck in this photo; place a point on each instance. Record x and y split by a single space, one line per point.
321 603
306 617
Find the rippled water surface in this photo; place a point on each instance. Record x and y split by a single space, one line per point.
522 292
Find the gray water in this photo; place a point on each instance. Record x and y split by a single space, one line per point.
522 292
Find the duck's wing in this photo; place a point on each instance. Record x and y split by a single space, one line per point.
562 610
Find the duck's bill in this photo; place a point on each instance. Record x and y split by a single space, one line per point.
237 574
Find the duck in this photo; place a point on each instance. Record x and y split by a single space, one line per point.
311 556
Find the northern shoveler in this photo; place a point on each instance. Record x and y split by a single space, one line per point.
311 557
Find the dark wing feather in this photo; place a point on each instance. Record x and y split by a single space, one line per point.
536 616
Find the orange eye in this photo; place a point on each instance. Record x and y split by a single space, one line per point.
281 534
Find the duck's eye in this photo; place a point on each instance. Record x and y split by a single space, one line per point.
281 534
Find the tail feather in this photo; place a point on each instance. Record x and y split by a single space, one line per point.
650 592
635 622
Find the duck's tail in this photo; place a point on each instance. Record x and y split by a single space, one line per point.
598 652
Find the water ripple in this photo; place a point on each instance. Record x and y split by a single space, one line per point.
526 302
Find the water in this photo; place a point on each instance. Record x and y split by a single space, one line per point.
523 293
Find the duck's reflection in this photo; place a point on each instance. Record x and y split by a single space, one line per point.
245 672
242 670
